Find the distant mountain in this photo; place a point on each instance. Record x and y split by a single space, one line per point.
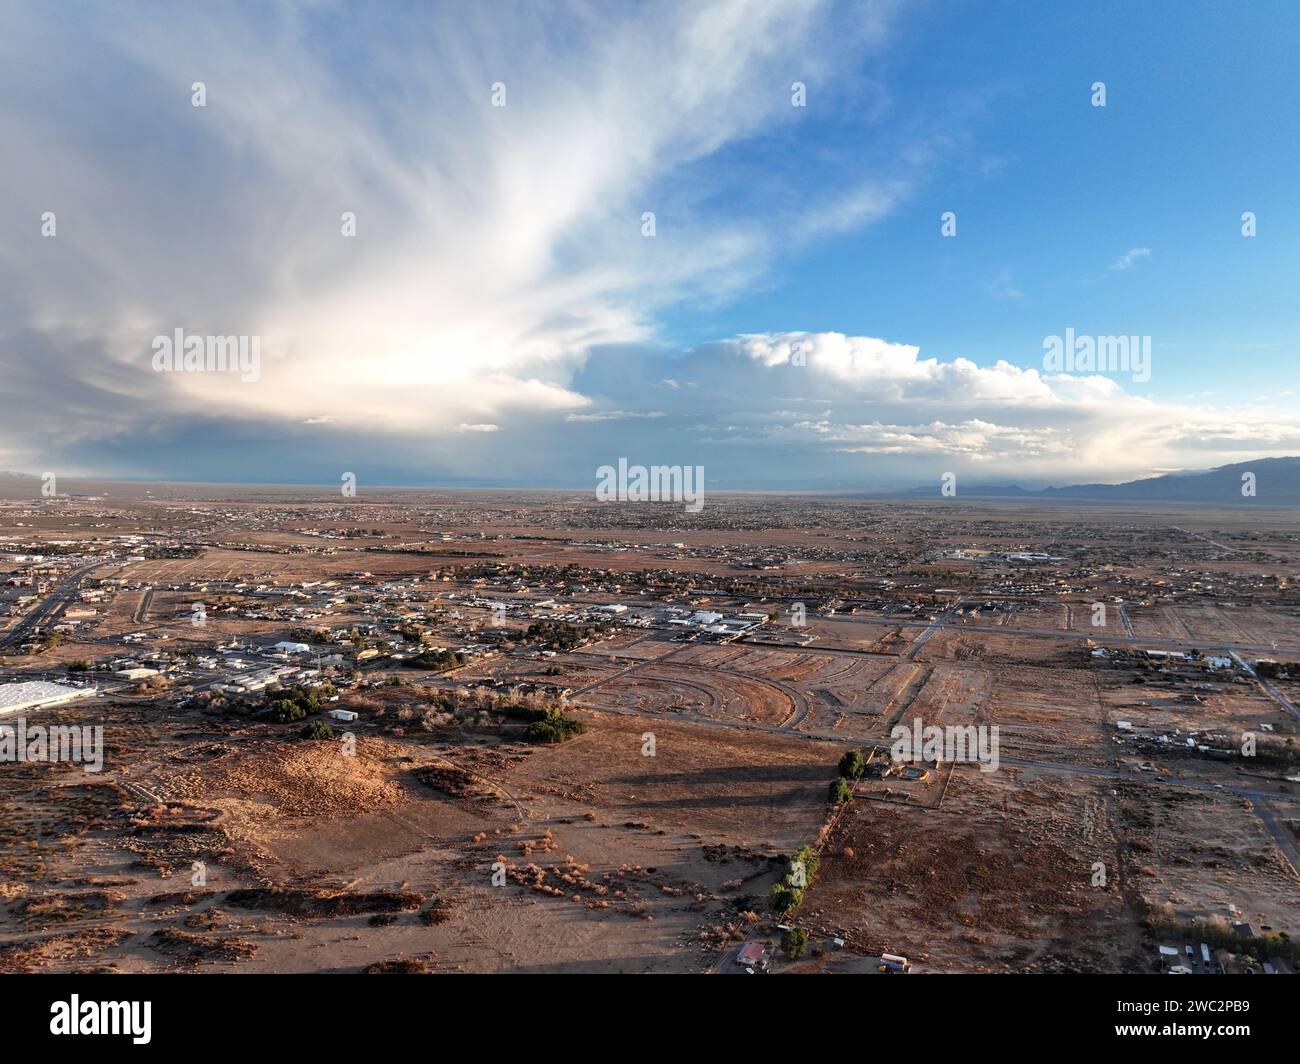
1276 481
9 474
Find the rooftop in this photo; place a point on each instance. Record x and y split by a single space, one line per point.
15 697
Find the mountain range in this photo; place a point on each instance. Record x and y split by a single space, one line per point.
1275 482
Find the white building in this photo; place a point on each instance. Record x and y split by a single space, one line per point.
136 674
36 694
705 617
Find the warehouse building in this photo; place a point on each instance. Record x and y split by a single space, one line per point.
37 694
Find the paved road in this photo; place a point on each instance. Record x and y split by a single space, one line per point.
142 611
935 625
1280 835
53 602
1272 691
1224 546
1128 626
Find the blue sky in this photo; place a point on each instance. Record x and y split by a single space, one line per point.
500 317
1202 123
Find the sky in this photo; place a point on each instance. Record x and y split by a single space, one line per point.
803 244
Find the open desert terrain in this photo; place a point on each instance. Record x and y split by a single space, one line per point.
491 732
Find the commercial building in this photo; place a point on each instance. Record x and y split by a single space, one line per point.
37 694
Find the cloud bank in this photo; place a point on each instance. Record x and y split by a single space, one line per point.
495 316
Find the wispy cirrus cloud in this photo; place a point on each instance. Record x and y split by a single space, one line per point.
614 415
494 247
1130 258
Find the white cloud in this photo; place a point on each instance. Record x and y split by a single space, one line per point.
881 399
1130 258
494 246
498 285
615 415
1003 287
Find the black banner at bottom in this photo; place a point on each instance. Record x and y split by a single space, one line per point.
147 1013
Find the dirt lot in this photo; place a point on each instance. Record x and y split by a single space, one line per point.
613 859
998 879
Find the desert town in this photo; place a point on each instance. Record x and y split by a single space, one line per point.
475 731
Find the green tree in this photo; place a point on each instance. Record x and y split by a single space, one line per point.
785 897
794 942
806 862
285 711
852 765
437 660
553 727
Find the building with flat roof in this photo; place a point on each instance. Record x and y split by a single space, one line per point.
36 694
136 674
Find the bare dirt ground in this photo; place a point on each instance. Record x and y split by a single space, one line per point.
217 840
614 859
997 879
